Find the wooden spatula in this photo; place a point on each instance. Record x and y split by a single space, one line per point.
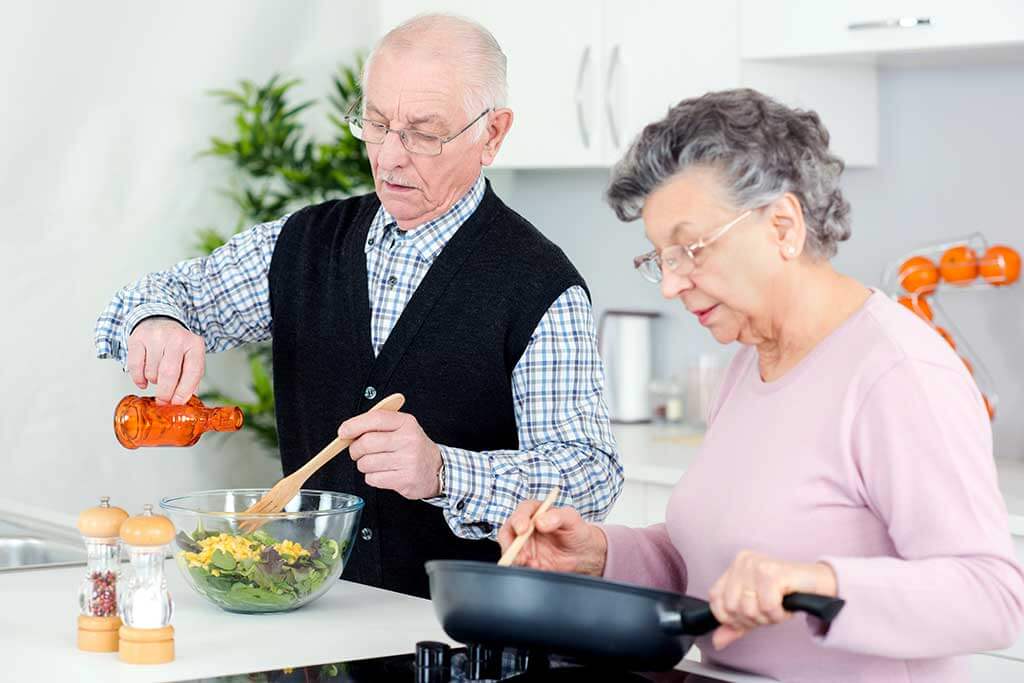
283 491
509 556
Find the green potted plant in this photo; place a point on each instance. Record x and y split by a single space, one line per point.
277 167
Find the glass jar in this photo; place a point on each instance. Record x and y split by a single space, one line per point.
146 606
98 593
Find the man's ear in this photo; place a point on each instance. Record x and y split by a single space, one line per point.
498 124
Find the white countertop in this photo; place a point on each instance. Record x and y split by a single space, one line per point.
351 621
660 454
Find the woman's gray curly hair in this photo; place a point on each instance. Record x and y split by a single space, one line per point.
761 148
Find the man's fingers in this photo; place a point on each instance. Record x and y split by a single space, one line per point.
170 373
377 421
192 368
383 480
372 442
375 462
136 363
151 369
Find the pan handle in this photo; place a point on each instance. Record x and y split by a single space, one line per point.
696 620
821 606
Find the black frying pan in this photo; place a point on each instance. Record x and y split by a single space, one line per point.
579 616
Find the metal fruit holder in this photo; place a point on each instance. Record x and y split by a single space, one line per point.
892 282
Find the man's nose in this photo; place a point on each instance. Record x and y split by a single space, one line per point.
392 152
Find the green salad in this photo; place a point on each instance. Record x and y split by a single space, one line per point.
256 572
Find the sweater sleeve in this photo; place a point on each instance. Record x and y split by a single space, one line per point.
921 453
645 557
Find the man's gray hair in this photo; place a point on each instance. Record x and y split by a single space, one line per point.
761 150
470 47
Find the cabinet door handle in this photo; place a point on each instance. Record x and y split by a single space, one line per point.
581 118
893 22
609 109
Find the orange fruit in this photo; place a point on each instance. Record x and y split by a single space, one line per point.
959 265
1000 265
945 335
918 305
967 363
989 407
918 274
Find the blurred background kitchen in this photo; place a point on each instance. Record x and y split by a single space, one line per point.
106 107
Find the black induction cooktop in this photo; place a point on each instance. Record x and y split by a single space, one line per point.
437 663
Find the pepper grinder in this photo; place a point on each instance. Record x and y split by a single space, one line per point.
98 619
147 636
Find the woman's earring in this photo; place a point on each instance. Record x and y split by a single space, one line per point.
791 251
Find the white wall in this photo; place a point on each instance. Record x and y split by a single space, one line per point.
951 164
103 110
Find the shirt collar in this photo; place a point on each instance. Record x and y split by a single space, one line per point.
431 237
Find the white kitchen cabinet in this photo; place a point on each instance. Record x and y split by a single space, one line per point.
994 669
660 52
640 504
585 77
773 29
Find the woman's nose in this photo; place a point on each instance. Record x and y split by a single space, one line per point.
672 284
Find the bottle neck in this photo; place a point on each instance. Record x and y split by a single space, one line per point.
223 419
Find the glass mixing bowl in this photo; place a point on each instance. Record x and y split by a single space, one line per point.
293 558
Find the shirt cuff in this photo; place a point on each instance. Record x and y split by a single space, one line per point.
140 313
468 483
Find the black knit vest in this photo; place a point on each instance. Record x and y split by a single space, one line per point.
451 353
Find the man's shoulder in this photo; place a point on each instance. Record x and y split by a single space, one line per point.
334 212
523 241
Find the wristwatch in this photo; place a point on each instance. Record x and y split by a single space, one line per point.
440 478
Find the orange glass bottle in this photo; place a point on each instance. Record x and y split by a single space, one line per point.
139 421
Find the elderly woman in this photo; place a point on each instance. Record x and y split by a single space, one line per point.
848 452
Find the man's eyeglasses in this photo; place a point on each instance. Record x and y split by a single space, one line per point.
415 141
678 258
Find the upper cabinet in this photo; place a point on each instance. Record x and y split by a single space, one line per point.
585 77
886 29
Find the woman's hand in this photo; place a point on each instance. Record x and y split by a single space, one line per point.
561 540
750 592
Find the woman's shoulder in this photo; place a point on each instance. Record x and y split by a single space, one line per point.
899 351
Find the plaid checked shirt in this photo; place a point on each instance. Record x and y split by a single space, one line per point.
564 434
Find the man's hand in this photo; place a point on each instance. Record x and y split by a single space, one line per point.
162 352
394 453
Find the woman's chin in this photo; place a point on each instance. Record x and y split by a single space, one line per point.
724 334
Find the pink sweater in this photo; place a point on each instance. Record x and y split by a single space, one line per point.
874 454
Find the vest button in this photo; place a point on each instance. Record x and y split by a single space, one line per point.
370 393
366 534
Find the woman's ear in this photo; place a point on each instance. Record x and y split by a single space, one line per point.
787 220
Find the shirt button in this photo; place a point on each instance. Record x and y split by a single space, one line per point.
392 281
370 393
370 241
460 505
366 533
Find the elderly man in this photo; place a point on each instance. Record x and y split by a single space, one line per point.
431 287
